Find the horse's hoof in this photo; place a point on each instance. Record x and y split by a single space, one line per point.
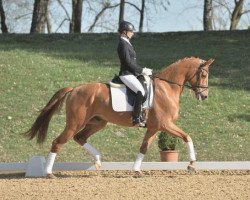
51 176
191 169
138 174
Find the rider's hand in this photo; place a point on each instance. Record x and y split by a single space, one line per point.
147 71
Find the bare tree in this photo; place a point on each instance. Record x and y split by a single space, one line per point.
67 18
18 15
237 13
142 15
207 15
39 16
48 22
2 15
121 14
160 4
76 21
106 6
235 10
141 11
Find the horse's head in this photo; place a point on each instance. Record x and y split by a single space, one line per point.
199 81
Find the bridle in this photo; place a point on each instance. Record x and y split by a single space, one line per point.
197 88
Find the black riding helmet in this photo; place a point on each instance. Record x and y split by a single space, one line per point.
126 26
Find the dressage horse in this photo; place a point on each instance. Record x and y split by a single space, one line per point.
89 109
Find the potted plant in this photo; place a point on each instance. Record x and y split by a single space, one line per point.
167 145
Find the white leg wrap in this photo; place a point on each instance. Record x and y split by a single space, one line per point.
93 151
138 162
191 153
50 162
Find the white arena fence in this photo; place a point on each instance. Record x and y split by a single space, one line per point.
35 166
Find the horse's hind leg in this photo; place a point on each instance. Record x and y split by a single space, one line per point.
65 136
73 124
81 137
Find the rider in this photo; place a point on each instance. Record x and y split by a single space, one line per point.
130 69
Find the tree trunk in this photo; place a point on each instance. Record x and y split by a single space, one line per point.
76 21
122 8
208 15
48 22
2 16
142 16
236 15
39 16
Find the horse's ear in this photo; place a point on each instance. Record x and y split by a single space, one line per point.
209 62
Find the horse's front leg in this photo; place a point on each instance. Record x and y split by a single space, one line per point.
176 131
191 154
147 141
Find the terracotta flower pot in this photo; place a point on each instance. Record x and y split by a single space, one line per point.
169 156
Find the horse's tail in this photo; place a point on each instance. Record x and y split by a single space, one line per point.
40 127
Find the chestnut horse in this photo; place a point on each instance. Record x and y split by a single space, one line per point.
88 109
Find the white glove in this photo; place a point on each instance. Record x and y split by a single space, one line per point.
147 71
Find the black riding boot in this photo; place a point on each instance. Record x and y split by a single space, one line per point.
138 110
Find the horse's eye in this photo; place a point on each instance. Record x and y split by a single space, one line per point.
203 75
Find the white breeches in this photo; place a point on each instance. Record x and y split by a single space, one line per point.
133 83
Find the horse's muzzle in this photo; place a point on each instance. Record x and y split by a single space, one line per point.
201 97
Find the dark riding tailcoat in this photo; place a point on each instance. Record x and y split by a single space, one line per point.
127 57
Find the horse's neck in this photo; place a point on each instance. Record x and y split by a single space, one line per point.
181 71
175 73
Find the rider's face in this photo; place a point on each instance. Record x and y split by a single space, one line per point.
130 34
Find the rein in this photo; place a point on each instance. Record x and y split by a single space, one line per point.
171 82
186 85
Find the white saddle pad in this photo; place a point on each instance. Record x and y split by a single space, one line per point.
120 100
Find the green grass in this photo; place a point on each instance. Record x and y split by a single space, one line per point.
33 67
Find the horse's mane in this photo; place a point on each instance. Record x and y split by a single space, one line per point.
173 65
186 58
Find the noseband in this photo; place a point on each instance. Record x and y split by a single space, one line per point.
197 86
